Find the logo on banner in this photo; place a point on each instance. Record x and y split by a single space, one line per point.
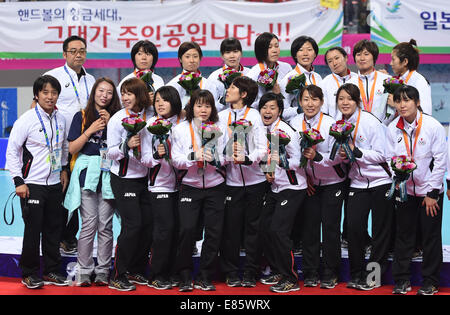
393 6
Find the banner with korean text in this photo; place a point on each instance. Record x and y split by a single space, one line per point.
35 30
395 21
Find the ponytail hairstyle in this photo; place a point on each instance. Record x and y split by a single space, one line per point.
408 51
352 90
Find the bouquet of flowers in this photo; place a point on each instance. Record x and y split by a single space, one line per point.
133 125
190 81
267 78
228 75
392 84
210 134
402 166
146 76
341 131
282 139
310 137
160 130
239 130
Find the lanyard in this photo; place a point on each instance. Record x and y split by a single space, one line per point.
194 144
300 72
405 136
356 127
75 88
368 103
408 77
241 69
229 120
45 131
318 125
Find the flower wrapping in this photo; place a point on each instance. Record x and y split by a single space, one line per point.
133 125
160 129
402 166
240 128
310 137
267 78
392 84
190 81
146 76
341 131
210 134
228 75
281 138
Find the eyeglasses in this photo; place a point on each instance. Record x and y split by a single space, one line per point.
75 52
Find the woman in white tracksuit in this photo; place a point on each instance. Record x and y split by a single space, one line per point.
284 200
267 52
202 189
422 138
246 183
326 190
370 180
162 185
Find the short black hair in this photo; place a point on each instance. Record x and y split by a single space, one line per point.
299 42
313 90
371 47
408 51
406 92
184 47
270 96
352 90
204 96
171 95
262 44
148 48
230 44
245 84
71 39
41 81
340 49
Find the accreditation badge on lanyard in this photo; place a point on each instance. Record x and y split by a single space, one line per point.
105 163
54 153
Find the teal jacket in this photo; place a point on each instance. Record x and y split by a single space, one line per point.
93 173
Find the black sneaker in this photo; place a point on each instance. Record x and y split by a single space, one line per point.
232 280
248 280
137 279
186 286
204 285
353 283
33 282
160 284
54 278
285 286
175 281
121 284
311 282
402 287
84 280
328 283
427 289
367 285
270 279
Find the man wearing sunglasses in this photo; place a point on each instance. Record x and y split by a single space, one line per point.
76 85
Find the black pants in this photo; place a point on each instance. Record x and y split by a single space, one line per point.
407 214
323 209
360 203
242 214
191 202
42 214
70 229
135 238
278 217
163 209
